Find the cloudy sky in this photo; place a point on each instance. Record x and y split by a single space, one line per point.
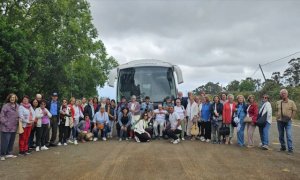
216 41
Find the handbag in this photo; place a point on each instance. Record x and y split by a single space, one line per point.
262 119
283 117
248 119
224 130
20 129
195 129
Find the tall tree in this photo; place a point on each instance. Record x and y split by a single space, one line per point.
64 50
247 84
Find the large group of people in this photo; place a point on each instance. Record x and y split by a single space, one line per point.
42 125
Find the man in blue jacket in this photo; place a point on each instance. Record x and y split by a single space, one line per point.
54 107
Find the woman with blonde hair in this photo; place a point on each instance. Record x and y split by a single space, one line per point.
252 113
192 112
241 113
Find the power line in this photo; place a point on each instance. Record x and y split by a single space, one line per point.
280 59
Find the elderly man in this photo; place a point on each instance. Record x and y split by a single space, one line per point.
54 107
175 122
286 111
160 119
38 97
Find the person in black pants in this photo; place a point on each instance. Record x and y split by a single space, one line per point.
139 129
89 110
175 129
54 107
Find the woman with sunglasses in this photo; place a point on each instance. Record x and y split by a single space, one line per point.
264 131
139 129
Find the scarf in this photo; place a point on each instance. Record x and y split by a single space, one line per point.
87 125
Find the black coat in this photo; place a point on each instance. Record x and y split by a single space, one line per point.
48 106
88 110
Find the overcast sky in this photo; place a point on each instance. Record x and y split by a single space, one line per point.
216 41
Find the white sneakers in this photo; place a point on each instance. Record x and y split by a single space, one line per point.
207 140
37 149
137 139
120 139
182 139
59 144
95 139
65 144
104 139
44 148
75 142
2 158
202 139
70 141
10 156
176 141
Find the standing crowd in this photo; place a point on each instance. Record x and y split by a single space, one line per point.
39 122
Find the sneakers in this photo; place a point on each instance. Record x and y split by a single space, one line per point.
10 156
59 144
290 152
176 141
70 141
172 140
44 148
2 158
182 139
37 149
265 147
65 144
120 139
207 140
126 139
95 139
104 139
202 139
75 142
137 139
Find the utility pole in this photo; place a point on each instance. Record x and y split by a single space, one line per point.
262 72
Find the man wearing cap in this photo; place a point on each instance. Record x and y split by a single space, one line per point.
54 108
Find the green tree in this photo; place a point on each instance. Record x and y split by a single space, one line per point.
64 50
247 84
209 88
233 86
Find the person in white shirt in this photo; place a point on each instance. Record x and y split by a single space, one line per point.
174 119
77 116
160 119
139 129
180 110
192 113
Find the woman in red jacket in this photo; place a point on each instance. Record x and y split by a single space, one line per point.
228 110
252 112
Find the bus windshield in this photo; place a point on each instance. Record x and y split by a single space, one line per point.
155 82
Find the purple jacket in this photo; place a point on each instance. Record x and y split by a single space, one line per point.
9 118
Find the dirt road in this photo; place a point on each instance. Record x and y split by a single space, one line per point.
156 160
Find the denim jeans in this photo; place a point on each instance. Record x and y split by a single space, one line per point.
103 131
7 142
287 127
264 134
240 134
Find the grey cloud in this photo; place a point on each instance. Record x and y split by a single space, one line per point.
225 39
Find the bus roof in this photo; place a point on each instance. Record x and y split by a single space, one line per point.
145 62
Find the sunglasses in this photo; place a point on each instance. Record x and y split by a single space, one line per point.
265 97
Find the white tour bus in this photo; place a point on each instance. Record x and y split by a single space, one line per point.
147 77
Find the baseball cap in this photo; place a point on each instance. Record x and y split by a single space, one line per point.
55 94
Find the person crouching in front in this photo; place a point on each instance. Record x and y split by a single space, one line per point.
101 123
139 129
175 122
83 130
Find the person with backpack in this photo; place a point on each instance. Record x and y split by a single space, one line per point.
229 108
180 110
266 109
